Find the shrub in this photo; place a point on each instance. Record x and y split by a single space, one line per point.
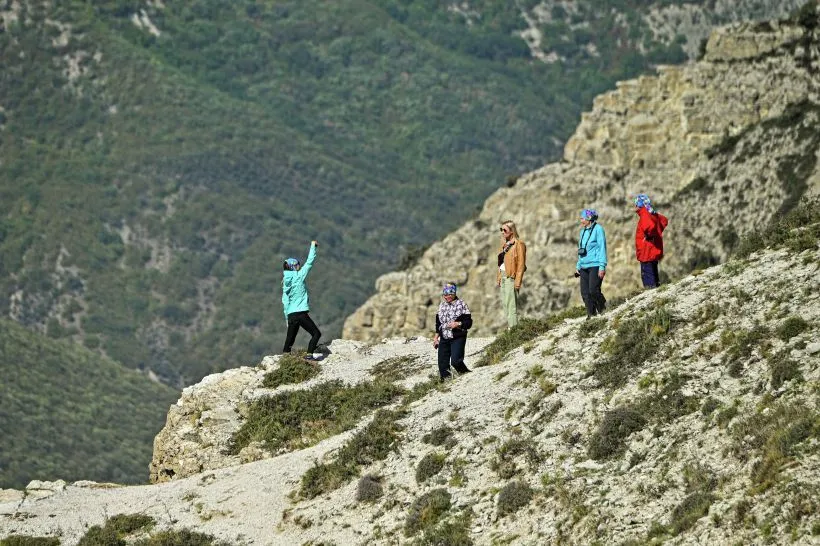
373 443
632 344
441 436
300 418
709 406
527 329
741 344
610 438
690 510
797 230
504 462
182 537
24 540
426 511
395 368
115 529
430 465
292 369
782 369
514 496
448 533
669 402
791 327
588 328
773 436
369 489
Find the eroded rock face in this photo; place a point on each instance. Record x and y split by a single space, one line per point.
708 141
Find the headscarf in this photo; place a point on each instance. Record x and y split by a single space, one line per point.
449 289
589 214
642 201
292 264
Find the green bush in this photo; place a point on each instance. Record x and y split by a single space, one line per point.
447 533
791 327
740 345
23 540
426 511
182 537
292 369
514 496
634 342
395 368
430 465
369 488
504 463
116 529
782 369
300 418
797 230
588 328
773 436
441 436
610 438
689 511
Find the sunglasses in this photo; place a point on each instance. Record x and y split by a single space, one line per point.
505 230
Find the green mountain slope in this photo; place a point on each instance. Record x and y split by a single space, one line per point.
67 413
159 160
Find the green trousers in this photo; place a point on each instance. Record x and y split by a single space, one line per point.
509 300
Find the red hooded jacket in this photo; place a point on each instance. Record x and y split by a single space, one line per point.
649 235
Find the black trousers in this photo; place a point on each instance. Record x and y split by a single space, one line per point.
591 291
451 352
295 320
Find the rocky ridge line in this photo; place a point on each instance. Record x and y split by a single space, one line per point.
722 145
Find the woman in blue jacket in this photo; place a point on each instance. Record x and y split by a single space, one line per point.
591 265
295 301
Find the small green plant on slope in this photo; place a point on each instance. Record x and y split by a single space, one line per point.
116 529
299 418
514 496
25 540
292 369
369 488
663 406
430 465
426 511
782 369
453 532
590 327
798 230
700 483
397 367
634 342
791 327
774 435
440 436
740 344
504 463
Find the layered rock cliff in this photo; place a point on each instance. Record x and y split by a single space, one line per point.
721 145
689 413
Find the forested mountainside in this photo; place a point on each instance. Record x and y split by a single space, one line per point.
68 413
159 159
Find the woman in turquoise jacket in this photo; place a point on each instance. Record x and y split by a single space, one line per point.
295 301
591 264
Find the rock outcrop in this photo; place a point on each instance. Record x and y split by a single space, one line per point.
689 412
721 145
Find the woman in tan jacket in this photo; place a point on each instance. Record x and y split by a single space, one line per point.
512 262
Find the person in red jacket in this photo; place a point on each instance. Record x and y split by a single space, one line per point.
649 240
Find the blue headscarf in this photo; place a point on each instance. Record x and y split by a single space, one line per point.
642 201
292 264
589 214
449 289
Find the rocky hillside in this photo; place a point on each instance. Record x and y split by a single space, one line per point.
721 145
688 413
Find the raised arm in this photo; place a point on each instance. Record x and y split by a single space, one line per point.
309 262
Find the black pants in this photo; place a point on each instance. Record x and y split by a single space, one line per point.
295 320
650 276
451 352
591 291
